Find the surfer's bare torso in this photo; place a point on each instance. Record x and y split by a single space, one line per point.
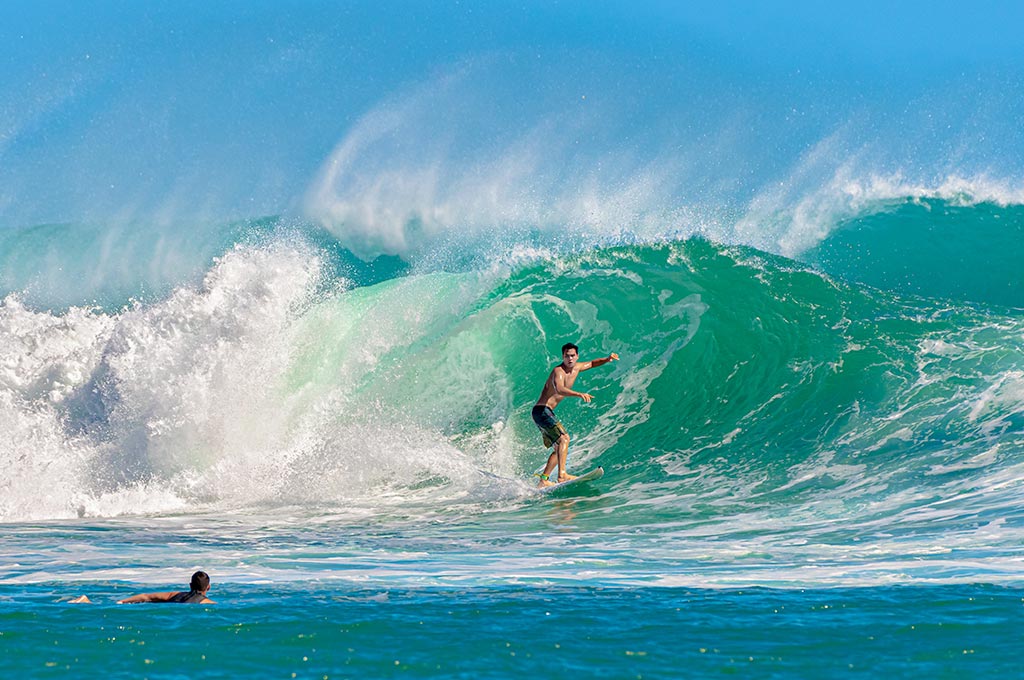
559 384
559 378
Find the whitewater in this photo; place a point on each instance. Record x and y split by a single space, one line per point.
287 327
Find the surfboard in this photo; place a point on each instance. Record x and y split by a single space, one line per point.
596 473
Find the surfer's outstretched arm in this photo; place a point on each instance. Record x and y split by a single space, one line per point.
594 363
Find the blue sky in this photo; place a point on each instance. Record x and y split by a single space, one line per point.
870 35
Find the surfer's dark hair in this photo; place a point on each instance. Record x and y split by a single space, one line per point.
200 581
568 346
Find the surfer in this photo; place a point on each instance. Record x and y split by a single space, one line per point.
198 587
558 387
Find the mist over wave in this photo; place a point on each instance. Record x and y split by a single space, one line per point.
500 150
606 139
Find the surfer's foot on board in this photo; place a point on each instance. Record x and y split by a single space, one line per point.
544 481
565 477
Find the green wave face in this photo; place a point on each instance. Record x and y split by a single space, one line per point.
745 380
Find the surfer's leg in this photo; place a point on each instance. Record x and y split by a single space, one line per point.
562 448
552 431
552 462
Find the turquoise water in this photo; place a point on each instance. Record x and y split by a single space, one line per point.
280 283
409 599
496 632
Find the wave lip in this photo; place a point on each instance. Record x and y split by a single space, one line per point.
793 222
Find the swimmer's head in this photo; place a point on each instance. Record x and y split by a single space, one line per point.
200 581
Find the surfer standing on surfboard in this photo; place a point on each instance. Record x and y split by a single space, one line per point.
558 387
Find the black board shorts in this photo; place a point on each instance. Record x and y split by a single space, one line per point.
548 424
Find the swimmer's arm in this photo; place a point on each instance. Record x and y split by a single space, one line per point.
148 597
594 363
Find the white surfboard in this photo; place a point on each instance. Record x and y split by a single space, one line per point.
596 473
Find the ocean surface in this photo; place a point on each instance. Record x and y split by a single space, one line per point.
300 351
